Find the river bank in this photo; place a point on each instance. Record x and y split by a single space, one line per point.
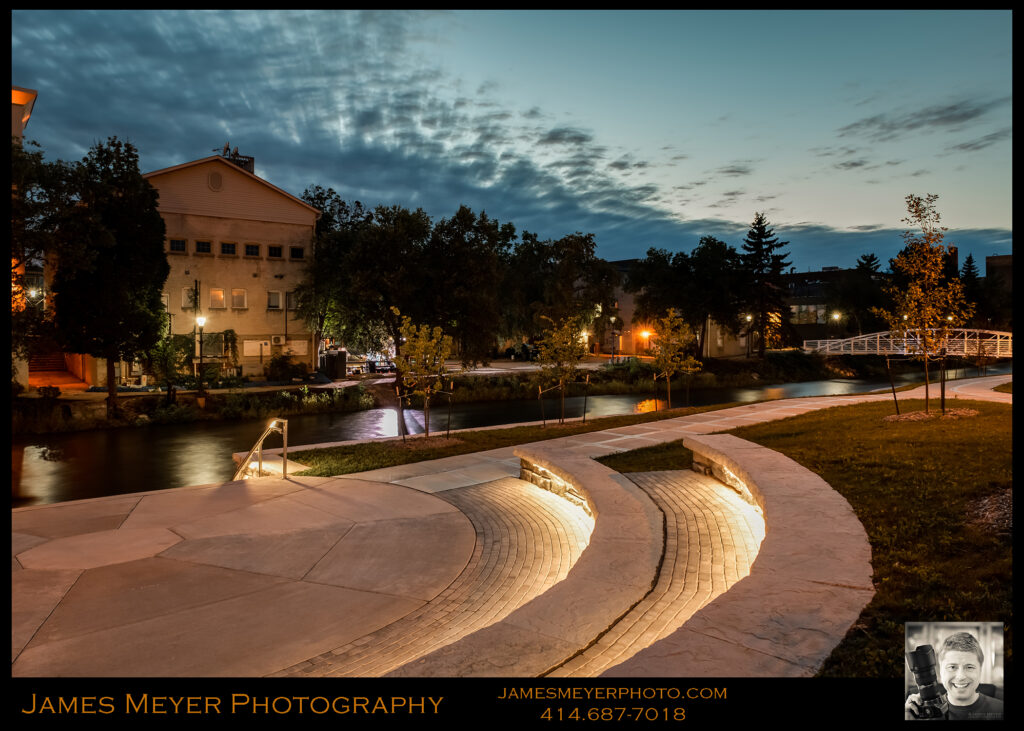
48 413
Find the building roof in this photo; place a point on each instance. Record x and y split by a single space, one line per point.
236 168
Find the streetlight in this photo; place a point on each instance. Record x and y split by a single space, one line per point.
201 322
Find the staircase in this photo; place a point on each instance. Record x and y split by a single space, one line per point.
51 360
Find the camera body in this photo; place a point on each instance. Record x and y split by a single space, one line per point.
933 694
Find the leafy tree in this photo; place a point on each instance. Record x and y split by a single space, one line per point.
554 281
464 258
421 367
109 304
857 293
321 298
560 351
673 338
168 362
924 303
763 266
701 285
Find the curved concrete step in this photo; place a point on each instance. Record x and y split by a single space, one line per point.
527 539
711 539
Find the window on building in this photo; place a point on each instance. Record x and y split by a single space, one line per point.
252 249
217 298
204 247
227 249
273 300
238 299
178 246
274 252
187 298
296 252
291 302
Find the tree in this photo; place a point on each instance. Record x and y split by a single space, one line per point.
464 259
320 298
857 292
552 281
673 338
561 349
168 360
40 193
971 281
763 266
924 303
421 367
109 304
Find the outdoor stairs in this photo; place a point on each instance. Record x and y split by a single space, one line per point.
49 361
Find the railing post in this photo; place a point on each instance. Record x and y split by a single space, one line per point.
284 451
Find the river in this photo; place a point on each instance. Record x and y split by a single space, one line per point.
76 465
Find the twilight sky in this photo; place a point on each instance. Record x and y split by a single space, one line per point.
643 128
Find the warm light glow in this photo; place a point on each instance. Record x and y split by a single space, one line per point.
254 465
749 318
33 292
21 97
201 321
645 334
835 315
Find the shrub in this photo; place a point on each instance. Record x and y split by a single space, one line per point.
281 368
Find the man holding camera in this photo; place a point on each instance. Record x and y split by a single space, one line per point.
960 662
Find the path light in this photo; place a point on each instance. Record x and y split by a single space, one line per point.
836 316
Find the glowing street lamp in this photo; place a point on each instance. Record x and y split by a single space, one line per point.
201 322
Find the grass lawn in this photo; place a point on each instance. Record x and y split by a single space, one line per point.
1005 388
919 488
374 455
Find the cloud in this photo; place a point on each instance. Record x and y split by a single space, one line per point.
948 117
851 164
735 170
982 142
565 136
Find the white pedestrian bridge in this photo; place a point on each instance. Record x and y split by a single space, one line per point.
987 343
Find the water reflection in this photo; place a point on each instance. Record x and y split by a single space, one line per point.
60 467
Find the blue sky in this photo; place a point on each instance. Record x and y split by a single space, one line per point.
643 128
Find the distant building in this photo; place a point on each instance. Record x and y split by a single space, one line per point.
243 244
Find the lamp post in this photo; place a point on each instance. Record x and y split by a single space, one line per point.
201 322
748 318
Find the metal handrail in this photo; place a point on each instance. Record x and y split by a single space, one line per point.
966 342
257 449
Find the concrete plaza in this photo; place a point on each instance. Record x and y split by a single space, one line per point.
458 567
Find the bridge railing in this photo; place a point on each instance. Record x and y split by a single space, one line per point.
988 343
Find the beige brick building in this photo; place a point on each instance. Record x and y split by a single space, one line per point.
242 244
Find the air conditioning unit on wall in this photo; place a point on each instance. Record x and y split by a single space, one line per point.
277 339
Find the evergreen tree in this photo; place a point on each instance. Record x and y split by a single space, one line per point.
109 303
763 264
973 291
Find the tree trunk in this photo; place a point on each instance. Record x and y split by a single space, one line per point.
668 390
112 410
926 383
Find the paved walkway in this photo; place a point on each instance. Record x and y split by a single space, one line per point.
367 574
